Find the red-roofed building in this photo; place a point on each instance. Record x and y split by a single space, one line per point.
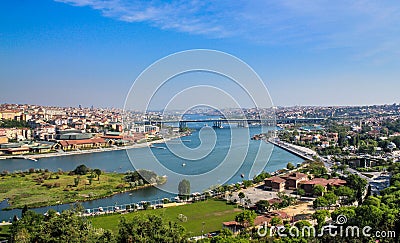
80 144
308 186
232 226
258 221
293 179
17 151
274 183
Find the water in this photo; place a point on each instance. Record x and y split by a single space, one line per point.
118 161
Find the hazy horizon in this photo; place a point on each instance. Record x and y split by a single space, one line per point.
89 52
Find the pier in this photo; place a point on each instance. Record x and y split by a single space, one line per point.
304 153
23 157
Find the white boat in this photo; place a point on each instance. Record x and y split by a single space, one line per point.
152 146
183 164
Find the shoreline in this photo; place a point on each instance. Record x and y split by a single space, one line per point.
89 151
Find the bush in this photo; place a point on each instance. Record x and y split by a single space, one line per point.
81 170
48 185
120 186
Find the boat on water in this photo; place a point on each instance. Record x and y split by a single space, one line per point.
183 164
152 146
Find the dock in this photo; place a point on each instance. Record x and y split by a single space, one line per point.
23 157
304 153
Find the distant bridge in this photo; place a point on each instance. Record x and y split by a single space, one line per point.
241 122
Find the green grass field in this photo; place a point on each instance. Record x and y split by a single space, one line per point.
211 212
47 188
4 232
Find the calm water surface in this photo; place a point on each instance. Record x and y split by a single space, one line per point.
118 161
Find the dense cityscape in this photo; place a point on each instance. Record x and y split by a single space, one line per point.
350 166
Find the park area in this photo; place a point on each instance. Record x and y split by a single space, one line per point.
191 216
37 188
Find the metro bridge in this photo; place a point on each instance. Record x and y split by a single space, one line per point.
217 123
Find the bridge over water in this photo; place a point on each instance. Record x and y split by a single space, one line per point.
217 123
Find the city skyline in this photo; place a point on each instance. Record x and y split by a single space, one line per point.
66 53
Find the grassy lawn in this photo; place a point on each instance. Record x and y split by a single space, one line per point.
4 234
211 212
47 188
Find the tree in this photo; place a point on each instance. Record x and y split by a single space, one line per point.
318 190
276 221
184 187
24 210
317 169
346 194
369 215
98 173
320 202
301 192
348 212
225 232
331 198
301 224
77 180
263 206
358 184
150 228
230 195
146 205
81 170
241 196
260 178
247 183
290 166
237 186
371 200
275 206
246 218
320 216
66 227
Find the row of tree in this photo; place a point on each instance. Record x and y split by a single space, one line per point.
70 227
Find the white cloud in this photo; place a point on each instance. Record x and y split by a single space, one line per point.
366 27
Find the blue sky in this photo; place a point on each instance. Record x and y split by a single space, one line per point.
71 52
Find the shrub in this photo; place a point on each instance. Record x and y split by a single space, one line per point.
120 186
